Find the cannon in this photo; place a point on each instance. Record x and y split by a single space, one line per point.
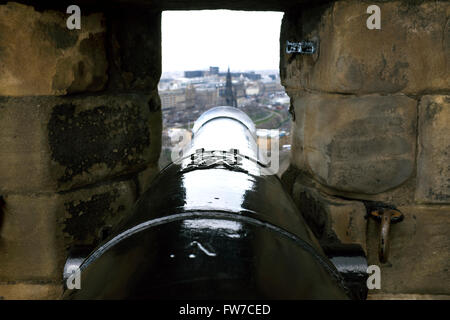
217 224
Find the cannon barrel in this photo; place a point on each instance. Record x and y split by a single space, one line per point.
214 224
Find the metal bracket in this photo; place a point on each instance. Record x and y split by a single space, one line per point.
303 47
351 262
386 214
77 255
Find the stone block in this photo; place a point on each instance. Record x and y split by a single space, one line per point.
409 54
135 49
31 246
91 213
145 178
39 55
37 230
433 162
355 144
330 218
59 143
30 291
419 258
400 296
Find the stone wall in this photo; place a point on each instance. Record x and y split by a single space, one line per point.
371 122
80 135
80 128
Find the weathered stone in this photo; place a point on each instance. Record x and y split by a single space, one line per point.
419 258
355 144
284 162
289 177
39 55
400 296
433 163
298 135
30 291
400 196
146 177
31 246
409 54
331 219
135 49
90 214
52 143
37 230
250 5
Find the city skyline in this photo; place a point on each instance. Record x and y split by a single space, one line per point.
195 40
224 70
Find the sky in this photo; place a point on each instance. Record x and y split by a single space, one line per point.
243 40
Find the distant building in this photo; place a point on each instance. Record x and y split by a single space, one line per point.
172 98
252 91
239 90
190 95
194 74
206 97
272 87
252 76
230 98
213 70
249 75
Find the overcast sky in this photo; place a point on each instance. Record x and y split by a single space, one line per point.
243 40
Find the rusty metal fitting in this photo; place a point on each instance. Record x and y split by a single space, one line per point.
386 215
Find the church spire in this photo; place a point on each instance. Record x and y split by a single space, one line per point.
229 95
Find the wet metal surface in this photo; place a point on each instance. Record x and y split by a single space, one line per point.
350 260
212 232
